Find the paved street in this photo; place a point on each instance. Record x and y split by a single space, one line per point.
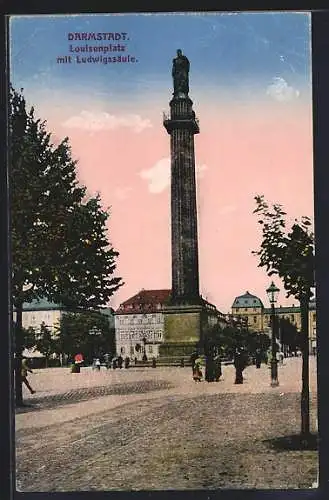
157 429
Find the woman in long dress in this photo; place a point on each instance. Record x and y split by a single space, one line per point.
197 372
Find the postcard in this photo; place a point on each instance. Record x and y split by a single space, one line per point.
163 297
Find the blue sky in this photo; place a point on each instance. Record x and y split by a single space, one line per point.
224 50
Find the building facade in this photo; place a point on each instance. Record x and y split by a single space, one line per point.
258 317
41 311
141 321
139 324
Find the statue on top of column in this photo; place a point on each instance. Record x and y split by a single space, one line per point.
180 71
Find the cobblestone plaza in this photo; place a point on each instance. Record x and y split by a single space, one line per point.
156 429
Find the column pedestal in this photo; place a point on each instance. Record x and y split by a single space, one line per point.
182 330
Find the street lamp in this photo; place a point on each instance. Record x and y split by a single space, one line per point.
94 331
272 293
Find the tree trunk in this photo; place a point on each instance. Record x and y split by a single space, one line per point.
18 354
305 395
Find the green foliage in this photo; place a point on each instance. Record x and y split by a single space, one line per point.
289 334
232 337
28 338
45 342
74 334
289 254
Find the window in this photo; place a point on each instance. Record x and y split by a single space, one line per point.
132 350
255 309
292 318
246 310
314 316
122 350
150 349
255 319
237 309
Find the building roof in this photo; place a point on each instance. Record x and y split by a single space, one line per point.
247 300
283 310
41 305
290 309
107 311
145 301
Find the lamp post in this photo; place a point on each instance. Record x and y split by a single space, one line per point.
272 293
94 331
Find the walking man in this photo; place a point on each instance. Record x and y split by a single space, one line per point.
25 368
240 364
258 358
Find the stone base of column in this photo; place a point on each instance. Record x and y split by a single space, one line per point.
182 330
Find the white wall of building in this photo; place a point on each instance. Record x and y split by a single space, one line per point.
130 329
34 319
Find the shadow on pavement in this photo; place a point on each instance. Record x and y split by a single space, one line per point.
294 443
87 393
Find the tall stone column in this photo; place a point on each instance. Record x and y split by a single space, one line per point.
184 315
182 125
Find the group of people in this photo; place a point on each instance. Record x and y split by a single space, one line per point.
213 366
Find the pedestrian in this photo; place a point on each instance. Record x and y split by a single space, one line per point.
24 369
97 364
240 363
135 361
218 367
280 357
120 361
193 357
115 363
127 362
107 361
197 371
258 358
154 363
210 368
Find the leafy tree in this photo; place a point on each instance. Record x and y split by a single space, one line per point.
234 336
76 334
45 342
290 255
289 334
58 238
28 338
85 277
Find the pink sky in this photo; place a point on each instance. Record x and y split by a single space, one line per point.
262 147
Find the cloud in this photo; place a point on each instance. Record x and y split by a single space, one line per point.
158 176
281 91
122 193
96 121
